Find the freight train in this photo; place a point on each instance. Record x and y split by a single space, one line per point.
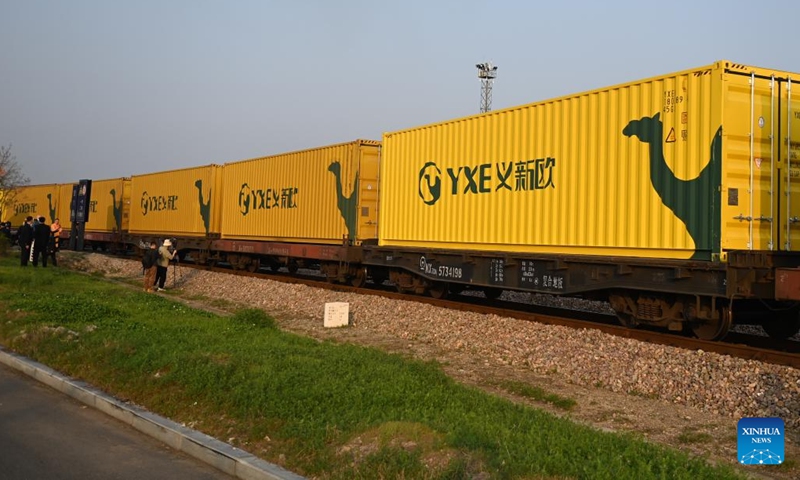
675 198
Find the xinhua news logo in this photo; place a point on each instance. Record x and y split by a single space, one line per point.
761 441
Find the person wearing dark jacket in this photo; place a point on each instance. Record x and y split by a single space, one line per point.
41 237
25 238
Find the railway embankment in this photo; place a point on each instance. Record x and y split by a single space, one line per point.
689 400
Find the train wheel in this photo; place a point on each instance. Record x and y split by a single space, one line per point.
252 267
438 290
360 278
622 305
714 328
783 326
627 320
492 293
293 267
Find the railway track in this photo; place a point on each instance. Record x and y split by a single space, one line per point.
750 347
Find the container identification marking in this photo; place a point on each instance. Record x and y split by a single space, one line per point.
497 271
671 136
671 99
440 271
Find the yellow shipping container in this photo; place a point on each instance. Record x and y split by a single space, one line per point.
64 205
322 195
686 165
178 202
32 200
109 207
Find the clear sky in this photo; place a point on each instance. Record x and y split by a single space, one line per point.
110 88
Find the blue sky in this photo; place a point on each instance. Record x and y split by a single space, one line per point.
105 89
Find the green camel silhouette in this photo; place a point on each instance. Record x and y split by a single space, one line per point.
205 207
51 210
695 202
117 209
347 205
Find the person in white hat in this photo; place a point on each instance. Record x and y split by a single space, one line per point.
164 256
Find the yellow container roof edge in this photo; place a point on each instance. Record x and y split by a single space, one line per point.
359 141
160 172
747 69
31 185
721 64
114 179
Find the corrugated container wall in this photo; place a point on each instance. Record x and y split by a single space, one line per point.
109 207
639 169
321 195
64 205
33 200
182 202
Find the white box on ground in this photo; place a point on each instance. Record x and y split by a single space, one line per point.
337 314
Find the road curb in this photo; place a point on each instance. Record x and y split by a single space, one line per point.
220 455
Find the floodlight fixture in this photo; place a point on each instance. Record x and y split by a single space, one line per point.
486 73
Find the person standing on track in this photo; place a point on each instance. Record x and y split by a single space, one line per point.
164 256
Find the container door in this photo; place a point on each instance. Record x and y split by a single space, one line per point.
788 145
368 192
750 165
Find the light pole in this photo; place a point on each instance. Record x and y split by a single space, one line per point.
486 73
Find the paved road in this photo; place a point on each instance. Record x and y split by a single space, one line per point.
47 435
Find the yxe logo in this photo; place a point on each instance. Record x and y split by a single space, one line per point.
760 441
24 208
266 198
430 183
158 203
525 175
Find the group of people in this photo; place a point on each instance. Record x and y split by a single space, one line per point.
38 239
155 262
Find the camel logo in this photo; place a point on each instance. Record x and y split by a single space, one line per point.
205 206
348 206
116 208
684 197
51 210
430 183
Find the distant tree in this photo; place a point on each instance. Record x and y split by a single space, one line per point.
11 178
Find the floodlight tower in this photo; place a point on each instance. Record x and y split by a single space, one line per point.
486 73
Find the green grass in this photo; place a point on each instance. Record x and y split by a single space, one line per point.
691 435
326 410
538 394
